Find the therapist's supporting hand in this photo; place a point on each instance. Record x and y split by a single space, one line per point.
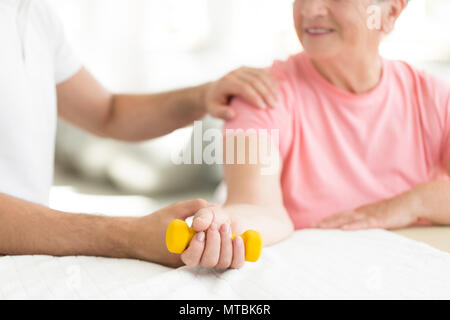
213 246
148 234
255 85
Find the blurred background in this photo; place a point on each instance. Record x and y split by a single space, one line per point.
144 46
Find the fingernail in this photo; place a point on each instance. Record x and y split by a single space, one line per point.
224 228
200 236
213 226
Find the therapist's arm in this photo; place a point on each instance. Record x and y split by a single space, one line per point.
29 228
254 201
83 101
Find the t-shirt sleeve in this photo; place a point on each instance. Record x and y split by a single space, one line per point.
66 62
446 138
249 117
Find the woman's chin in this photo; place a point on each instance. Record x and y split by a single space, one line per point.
320 47
319 53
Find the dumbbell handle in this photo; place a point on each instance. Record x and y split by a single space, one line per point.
179 235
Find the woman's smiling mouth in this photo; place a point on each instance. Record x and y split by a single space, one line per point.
317 31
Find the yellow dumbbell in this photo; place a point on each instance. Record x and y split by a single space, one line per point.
179 235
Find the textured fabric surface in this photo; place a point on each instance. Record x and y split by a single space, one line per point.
310 264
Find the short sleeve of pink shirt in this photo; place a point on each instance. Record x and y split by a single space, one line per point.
446 138
249 117
342 150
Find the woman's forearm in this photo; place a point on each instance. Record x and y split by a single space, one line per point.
272 222
433 201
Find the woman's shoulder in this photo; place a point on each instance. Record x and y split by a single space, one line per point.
419 77
288 75
288 68
429 89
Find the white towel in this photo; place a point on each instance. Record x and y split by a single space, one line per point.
371 264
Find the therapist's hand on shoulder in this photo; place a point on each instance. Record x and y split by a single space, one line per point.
213 246
257 86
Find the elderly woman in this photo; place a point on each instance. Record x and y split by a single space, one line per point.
364 142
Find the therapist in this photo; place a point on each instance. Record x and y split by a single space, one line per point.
41 79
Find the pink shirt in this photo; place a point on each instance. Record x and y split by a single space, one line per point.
340 150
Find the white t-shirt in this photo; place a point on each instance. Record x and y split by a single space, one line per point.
34 57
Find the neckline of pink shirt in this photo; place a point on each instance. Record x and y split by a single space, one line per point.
376 94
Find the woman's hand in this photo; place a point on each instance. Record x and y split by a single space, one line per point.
255 85
212 246
394 213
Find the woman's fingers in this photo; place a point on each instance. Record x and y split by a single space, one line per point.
193 254
366 222
211 252
203 219
226 249
356 225
337 220
238 253
215 248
